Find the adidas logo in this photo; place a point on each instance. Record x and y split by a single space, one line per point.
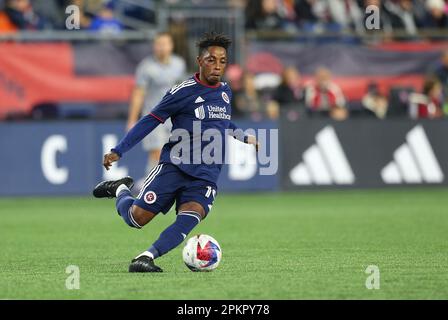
414 161
324 163
199 100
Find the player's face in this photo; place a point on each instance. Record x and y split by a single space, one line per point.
212 64
163 46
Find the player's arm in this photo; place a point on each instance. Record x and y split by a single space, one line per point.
239 134
142 128
135 107
169 105
142 81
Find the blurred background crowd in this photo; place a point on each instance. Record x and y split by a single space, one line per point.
315 16
286 90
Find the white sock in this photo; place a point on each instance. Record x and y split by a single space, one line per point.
146 253
121 188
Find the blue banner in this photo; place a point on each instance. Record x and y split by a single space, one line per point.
65 158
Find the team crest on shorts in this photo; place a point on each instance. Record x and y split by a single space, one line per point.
225 97
150 197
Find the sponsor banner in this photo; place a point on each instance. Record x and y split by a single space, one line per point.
363 153
247 170
343 60
65 158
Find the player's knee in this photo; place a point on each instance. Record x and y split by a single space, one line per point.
193 206
142 216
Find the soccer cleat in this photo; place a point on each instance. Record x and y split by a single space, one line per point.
107 189
143 264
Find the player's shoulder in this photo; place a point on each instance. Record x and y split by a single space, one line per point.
147 64
226 87
148 60
183 88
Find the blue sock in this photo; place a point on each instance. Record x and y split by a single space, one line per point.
124 204
173 236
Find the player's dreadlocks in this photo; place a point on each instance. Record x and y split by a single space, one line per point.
210 39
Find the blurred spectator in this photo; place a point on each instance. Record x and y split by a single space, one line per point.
305 12
155 75
290 90
105 20
86 9
247 101
436 14
347 14
375 102
234 78
402 16
263 15
19 15
52 12
314 16
325 15
324 97
289 94
441 72
384 23
428 104
146 14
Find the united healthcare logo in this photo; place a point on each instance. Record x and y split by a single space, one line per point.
413 162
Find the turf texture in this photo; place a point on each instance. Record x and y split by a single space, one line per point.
309 245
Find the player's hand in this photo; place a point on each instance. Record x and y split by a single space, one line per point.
110 158
253 140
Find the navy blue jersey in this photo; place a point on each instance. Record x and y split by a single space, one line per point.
208 107
194 108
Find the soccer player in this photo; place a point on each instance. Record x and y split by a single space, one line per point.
150 87
202 99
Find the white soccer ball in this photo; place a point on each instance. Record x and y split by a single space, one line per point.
202 253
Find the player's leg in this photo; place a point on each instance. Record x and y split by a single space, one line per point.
119 189
133 216
188 217
194 203
190 214
157 196
134 211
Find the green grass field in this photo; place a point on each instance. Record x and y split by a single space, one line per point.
311 245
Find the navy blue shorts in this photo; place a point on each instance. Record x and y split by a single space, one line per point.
167 184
